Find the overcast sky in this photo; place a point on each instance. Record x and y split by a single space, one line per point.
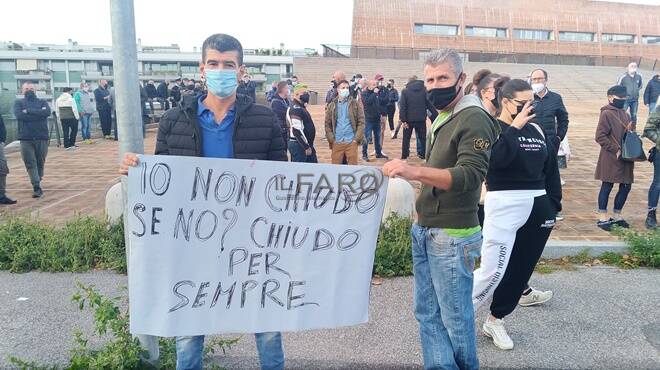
257 24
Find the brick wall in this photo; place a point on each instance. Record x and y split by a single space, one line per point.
390 23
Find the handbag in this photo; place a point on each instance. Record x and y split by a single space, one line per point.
632 149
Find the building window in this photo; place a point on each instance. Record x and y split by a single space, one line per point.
623 39
577 36
7 65
485 32
436 29
59 76
522 34
651 40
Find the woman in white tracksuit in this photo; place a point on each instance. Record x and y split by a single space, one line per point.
518 214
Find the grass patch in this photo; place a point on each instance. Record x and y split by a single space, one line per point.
82 244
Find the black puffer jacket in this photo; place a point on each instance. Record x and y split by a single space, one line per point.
256 131
32 116
413 103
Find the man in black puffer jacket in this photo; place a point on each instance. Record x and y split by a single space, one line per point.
32 114
220 124
413 107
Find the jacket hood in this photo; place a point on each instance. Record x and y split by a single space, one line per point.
415 85
468 101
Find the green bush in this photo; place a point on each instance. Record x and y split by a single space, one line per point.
122 350
644 246
82 244
393 250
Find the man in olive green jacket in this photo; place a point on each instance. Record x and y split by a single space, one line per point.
344 125
652 131
447 238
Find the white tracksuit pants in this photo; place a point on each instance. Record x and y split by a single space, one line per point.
505 212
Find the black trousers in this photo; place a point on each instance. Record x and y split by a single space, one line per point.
554 191
527 249
69 131
420 133
390 116
105 116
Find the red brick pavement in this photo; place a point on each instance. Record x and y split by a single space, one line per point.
75 182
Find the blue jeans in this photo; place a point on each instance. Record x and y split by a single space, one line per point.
651 107
190 351
443 267
298 153
654 189
633 105
85 120
372 127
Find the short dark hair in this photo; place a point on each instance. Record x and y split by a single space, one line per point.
294 76
511 87
281 85
358 75
545 73
617 90
67 89
222 43
343 82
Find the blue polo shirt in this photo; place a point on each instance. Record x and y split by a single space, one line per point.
216 137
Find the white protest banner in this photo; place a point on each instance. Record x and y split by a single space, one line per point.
226 245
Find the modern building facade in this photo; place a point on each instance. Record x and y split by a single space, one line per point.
54 67
571 31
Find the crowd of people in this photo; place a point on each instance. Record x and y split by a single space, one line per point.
490 181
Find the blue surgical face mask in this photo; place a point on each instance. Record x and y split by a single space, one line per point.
221 82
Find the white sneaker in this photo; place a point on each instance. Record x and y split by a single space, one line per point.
495 329
535 297
563 182
392 135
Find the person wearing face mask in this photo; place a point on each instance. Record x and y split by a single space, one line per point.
652 93
552 116
248 87
373 123
332 92
446 237
219 124
412 115
613 123
301 127
279 105
67 111
391 106
32 115
102 97
632 81
86 107
344 126
382 94
484 83
519 215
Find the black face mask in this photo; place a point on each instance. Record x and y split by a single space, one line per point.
389 86
304 98
618 103
495 103
441 97
519 108
30 95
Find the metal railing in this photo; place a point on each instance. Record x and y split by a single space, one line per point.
379 52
